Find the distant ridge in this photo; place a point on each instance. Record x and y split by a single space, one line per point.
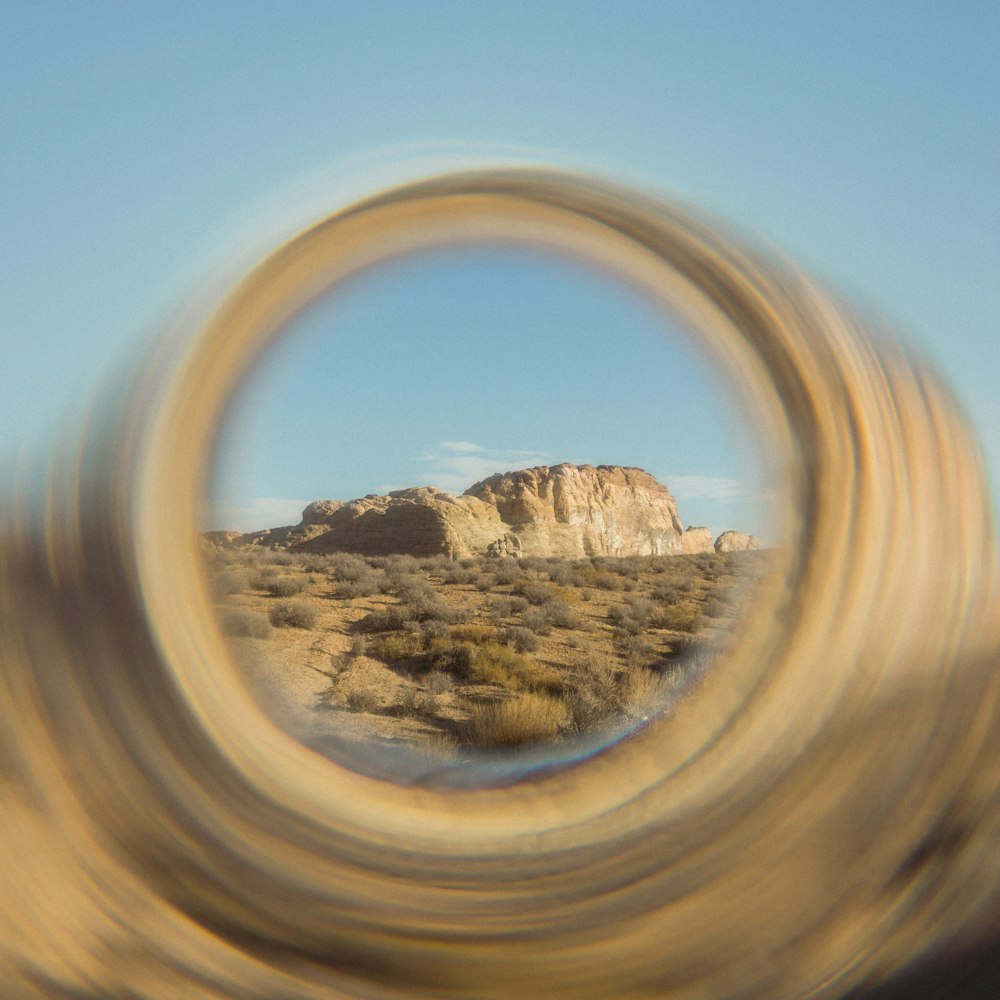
563 510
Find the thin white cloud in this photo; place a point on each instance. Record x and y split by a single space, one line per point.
721 489
460 446
261 512
456 465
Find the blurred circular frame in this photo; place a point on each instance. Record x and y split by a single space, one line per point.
760 842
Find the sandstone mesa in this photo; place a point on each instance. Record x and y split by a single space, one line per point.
568 511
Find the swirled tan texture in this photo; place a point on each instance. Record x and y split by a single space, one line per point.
821 812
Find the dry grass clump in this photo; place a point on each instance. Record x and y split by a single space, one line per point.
522 639
394 646
245 625
680 617
292 614
286 586
394 618
229 582
475 654
533 591
520 720
438 682
604 693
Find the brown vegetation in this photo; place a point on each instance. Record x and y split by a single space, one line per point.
486 653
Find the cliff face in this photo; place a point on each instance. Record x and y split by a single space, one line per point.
563 510
577 510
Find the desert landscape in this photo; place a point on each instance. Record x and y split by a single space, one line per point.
541 607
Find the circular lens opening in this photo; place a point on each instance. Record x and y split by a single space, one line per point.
482 509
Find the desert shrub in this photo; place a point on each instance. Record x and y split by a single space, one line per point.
485 582
681 646
557 612
491 662
450 656
357 647
396 646
292 614
714 608
262 577
473 633
536 620
286 586
313 563
641 690
623 622
595 694
533 591
433 629
456 575
401 565
617 613
507 572
434 564
411 702
535 565
368 584
607 581
670 591
561 573
411 588
517 721
602 692
679 618
434 610
362 699
522 639
230 582
391 619
283 559
641 608
438 682
507 607
632 648
245 624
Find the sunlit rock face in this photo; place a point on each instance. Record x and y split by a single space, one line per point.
696 539
582 510
736 541
564 510
421 521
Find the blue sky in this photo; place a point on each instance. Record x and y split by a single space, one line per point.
143 143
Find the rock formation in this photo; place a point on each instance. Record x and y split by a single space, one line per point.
696 540
564 510
736 541
577 510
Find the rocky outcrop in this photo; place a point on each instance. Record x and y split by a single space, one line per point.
696 539
422 521
319 511
736 541
566 511
582 510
